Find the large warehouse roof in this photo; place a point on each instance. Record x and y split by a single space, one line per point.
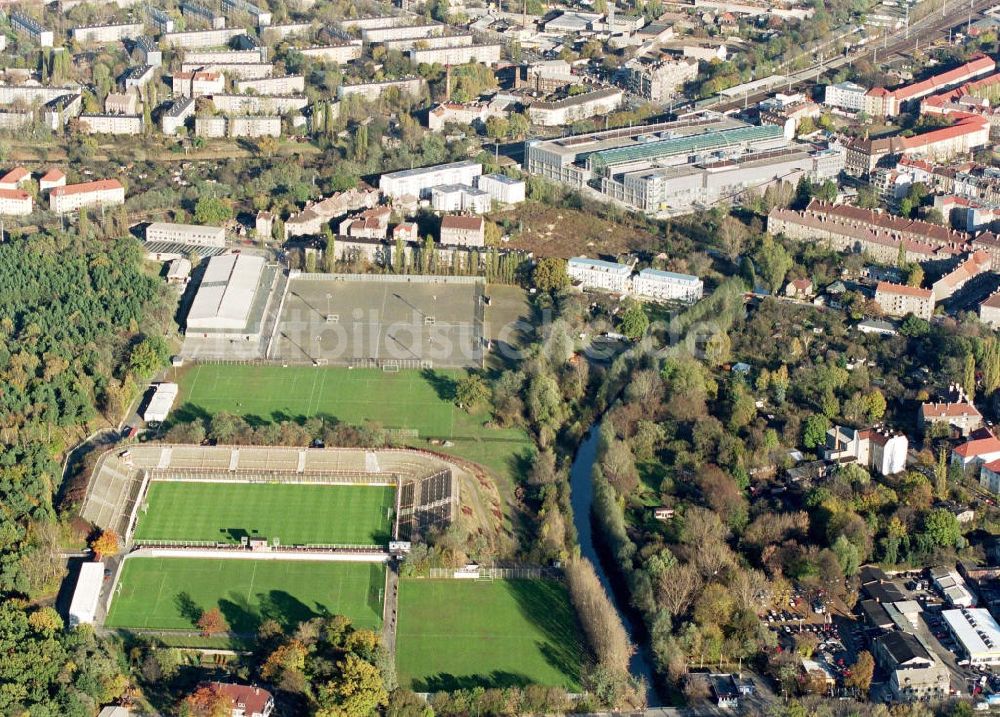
226 294
976 629
682 145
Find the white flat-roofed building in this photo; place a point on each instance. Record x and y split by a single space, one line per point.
194 234
149 52
107 33
178 113
667 286
339 54
460 198
226 294
845 95
211 127
976 633
259 104
277 33
102 192
598 274
160 403
200 38
255 126
371 91
111 124
232 57
575 107
419 182
138 76
87 594
24 24
15 203
373 35
408 43
952 587
502 188
286 85
160 20
461 55
241 70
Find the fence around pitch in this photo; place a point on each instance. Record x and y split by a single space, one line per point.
485 573
222 475
387 278
237 547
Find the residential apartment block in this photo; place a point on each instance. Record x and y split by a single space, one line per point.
340 54
901 300
419 182
462 231
111 124
102 192
875 448
104 34
846 96
197 84
176 115
667 286
659 81
24 24
598 274
15 203
200 38
574 108
373 90
285 85
193 234
960 415
460 55
502 188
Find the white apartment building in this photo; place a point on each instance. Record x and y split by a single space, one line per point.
575 107
339 54
408 43
111 124
485 54
371 91
200 13
26 25
900 300
149 51
261 17
255 126
379 34
122 103
15 203
230 57
846 96
241 70
139 76
102 192
197 84
200 38
51 179
160 20
258 104
419 182
107 33
502 188
286 85
659 81
176 116
191 234
460 198
277 33
210 127
597 274
667 286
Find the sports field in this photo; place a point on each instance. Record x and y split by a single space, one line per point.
295 514
460 634
409 399
328 318
171 593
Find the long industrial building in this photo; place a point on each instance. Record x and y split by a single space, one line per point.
675 166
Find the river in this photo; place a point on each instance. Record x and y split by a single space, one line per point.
582 498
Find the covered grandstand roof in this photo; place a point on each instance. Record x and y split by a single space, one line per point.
226 293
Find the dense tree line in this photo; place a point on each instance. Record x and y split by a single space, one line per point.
72 317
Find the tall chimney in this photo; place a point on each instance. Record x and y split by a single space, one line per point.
447 82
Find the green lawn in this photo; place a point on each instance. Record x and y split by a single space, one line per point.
171 593
296 514
410 399
459 634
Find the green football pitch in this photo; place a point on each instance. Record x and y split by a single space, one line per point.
171 593
294 513
410 399
458 634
